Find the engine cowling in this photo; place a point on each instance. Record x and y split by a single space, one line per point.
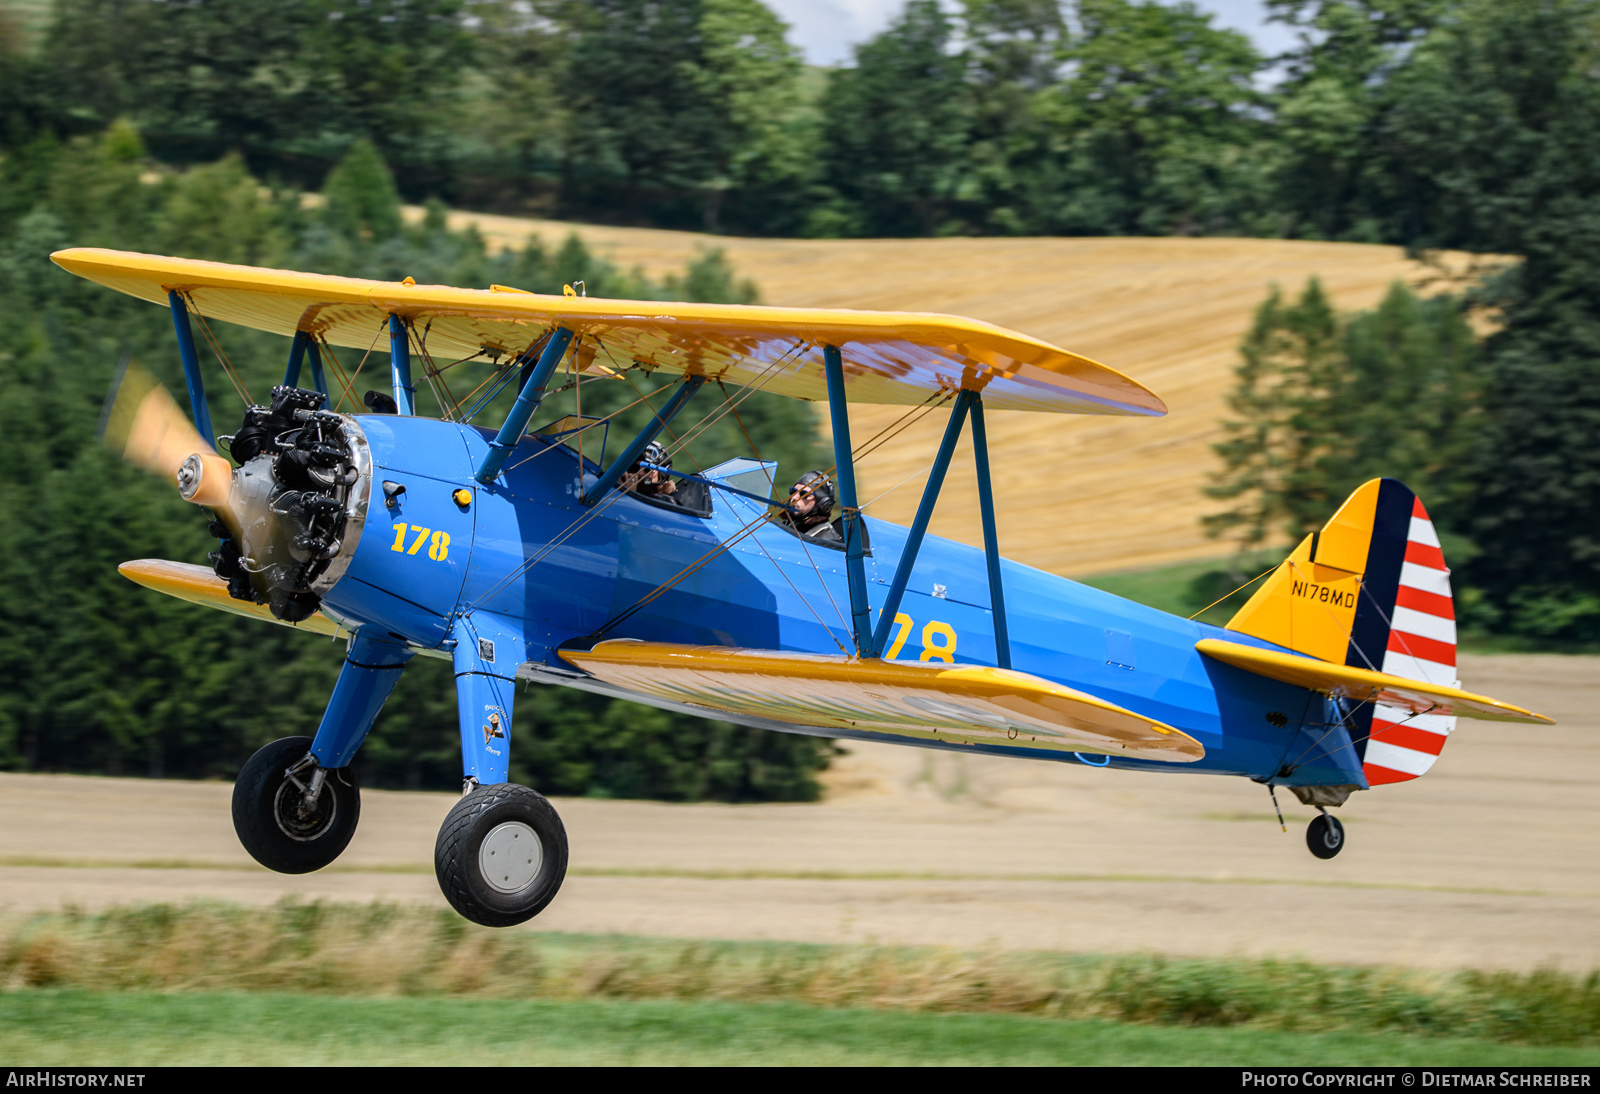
298 500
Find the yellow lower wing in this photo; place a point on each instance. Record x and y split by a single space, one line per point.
198 585
1363 684
961 704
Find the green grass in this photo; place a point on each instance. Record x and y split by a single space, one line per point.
390 951
82 1028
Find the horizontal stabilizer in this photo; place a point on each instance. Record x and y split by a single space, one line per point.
198 585
960 704
1346 681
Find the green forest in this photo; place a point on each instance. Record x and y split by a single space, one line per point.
202 128
97 674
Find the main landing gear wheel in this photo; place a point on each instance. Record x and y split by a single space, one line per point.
1325 835
501 855
275 821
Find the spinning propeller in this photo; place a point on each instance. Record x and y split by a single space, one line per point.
284 516
148 429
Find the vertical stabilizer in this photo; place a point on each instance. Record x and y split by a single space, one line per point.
1370 590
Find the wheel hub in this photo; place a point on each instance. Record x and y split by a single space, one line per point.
298 821
510 857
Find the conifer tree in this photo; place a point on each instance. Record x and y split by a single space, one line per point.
1324 403
1272 457
362 199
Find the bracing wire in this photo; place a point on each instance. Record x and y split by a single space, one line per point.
350 384
1230 592
216 348
674 445
583 428
815 569
747 530
747 391
499 376
726 398
448 407
330 358
802 598
892 489
600 507
900 424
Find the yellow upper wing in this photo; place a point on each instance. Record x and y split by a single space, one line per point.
890 357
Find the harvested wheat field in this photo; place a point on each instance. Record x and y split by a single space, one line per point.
1490 861
1075 495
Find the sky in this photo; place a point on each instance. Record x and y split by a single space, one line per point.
826 29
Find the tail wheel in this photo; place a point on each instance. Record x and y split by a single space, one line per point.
276 824
501 855
1325 836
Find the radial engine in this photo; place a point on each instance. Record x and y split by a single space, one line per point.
297 503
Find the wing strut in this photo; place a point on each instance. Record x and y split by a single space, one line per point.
966 402
191 366
529 397
305 342
867 643
297 353
991 538
405 392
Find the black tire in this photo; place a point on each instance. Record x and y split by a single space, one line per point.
268 824
1325 836
490 826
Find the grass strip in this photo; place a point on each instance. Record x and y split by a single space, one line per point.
742 874
78 1028
383 949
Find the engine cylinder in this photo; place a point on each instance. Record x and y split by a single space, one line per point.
299 500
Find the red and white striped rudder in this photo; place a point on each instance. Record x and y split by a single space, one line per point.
1421 646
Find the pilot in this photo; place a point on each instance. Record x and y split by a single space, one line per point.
650 483
810 505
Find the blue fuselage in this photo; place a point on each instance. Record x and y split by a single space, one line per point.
526 551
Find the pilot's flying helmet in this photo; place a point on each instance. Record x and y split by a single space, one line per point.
816 484
654 452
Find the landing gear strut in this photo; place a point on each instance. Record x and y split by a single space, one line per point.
502 851
1325 835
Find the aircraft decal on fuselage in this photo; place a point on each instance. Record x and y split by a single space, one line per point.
492 729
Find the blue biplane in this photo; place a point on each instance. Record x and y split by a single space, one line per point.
522 555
